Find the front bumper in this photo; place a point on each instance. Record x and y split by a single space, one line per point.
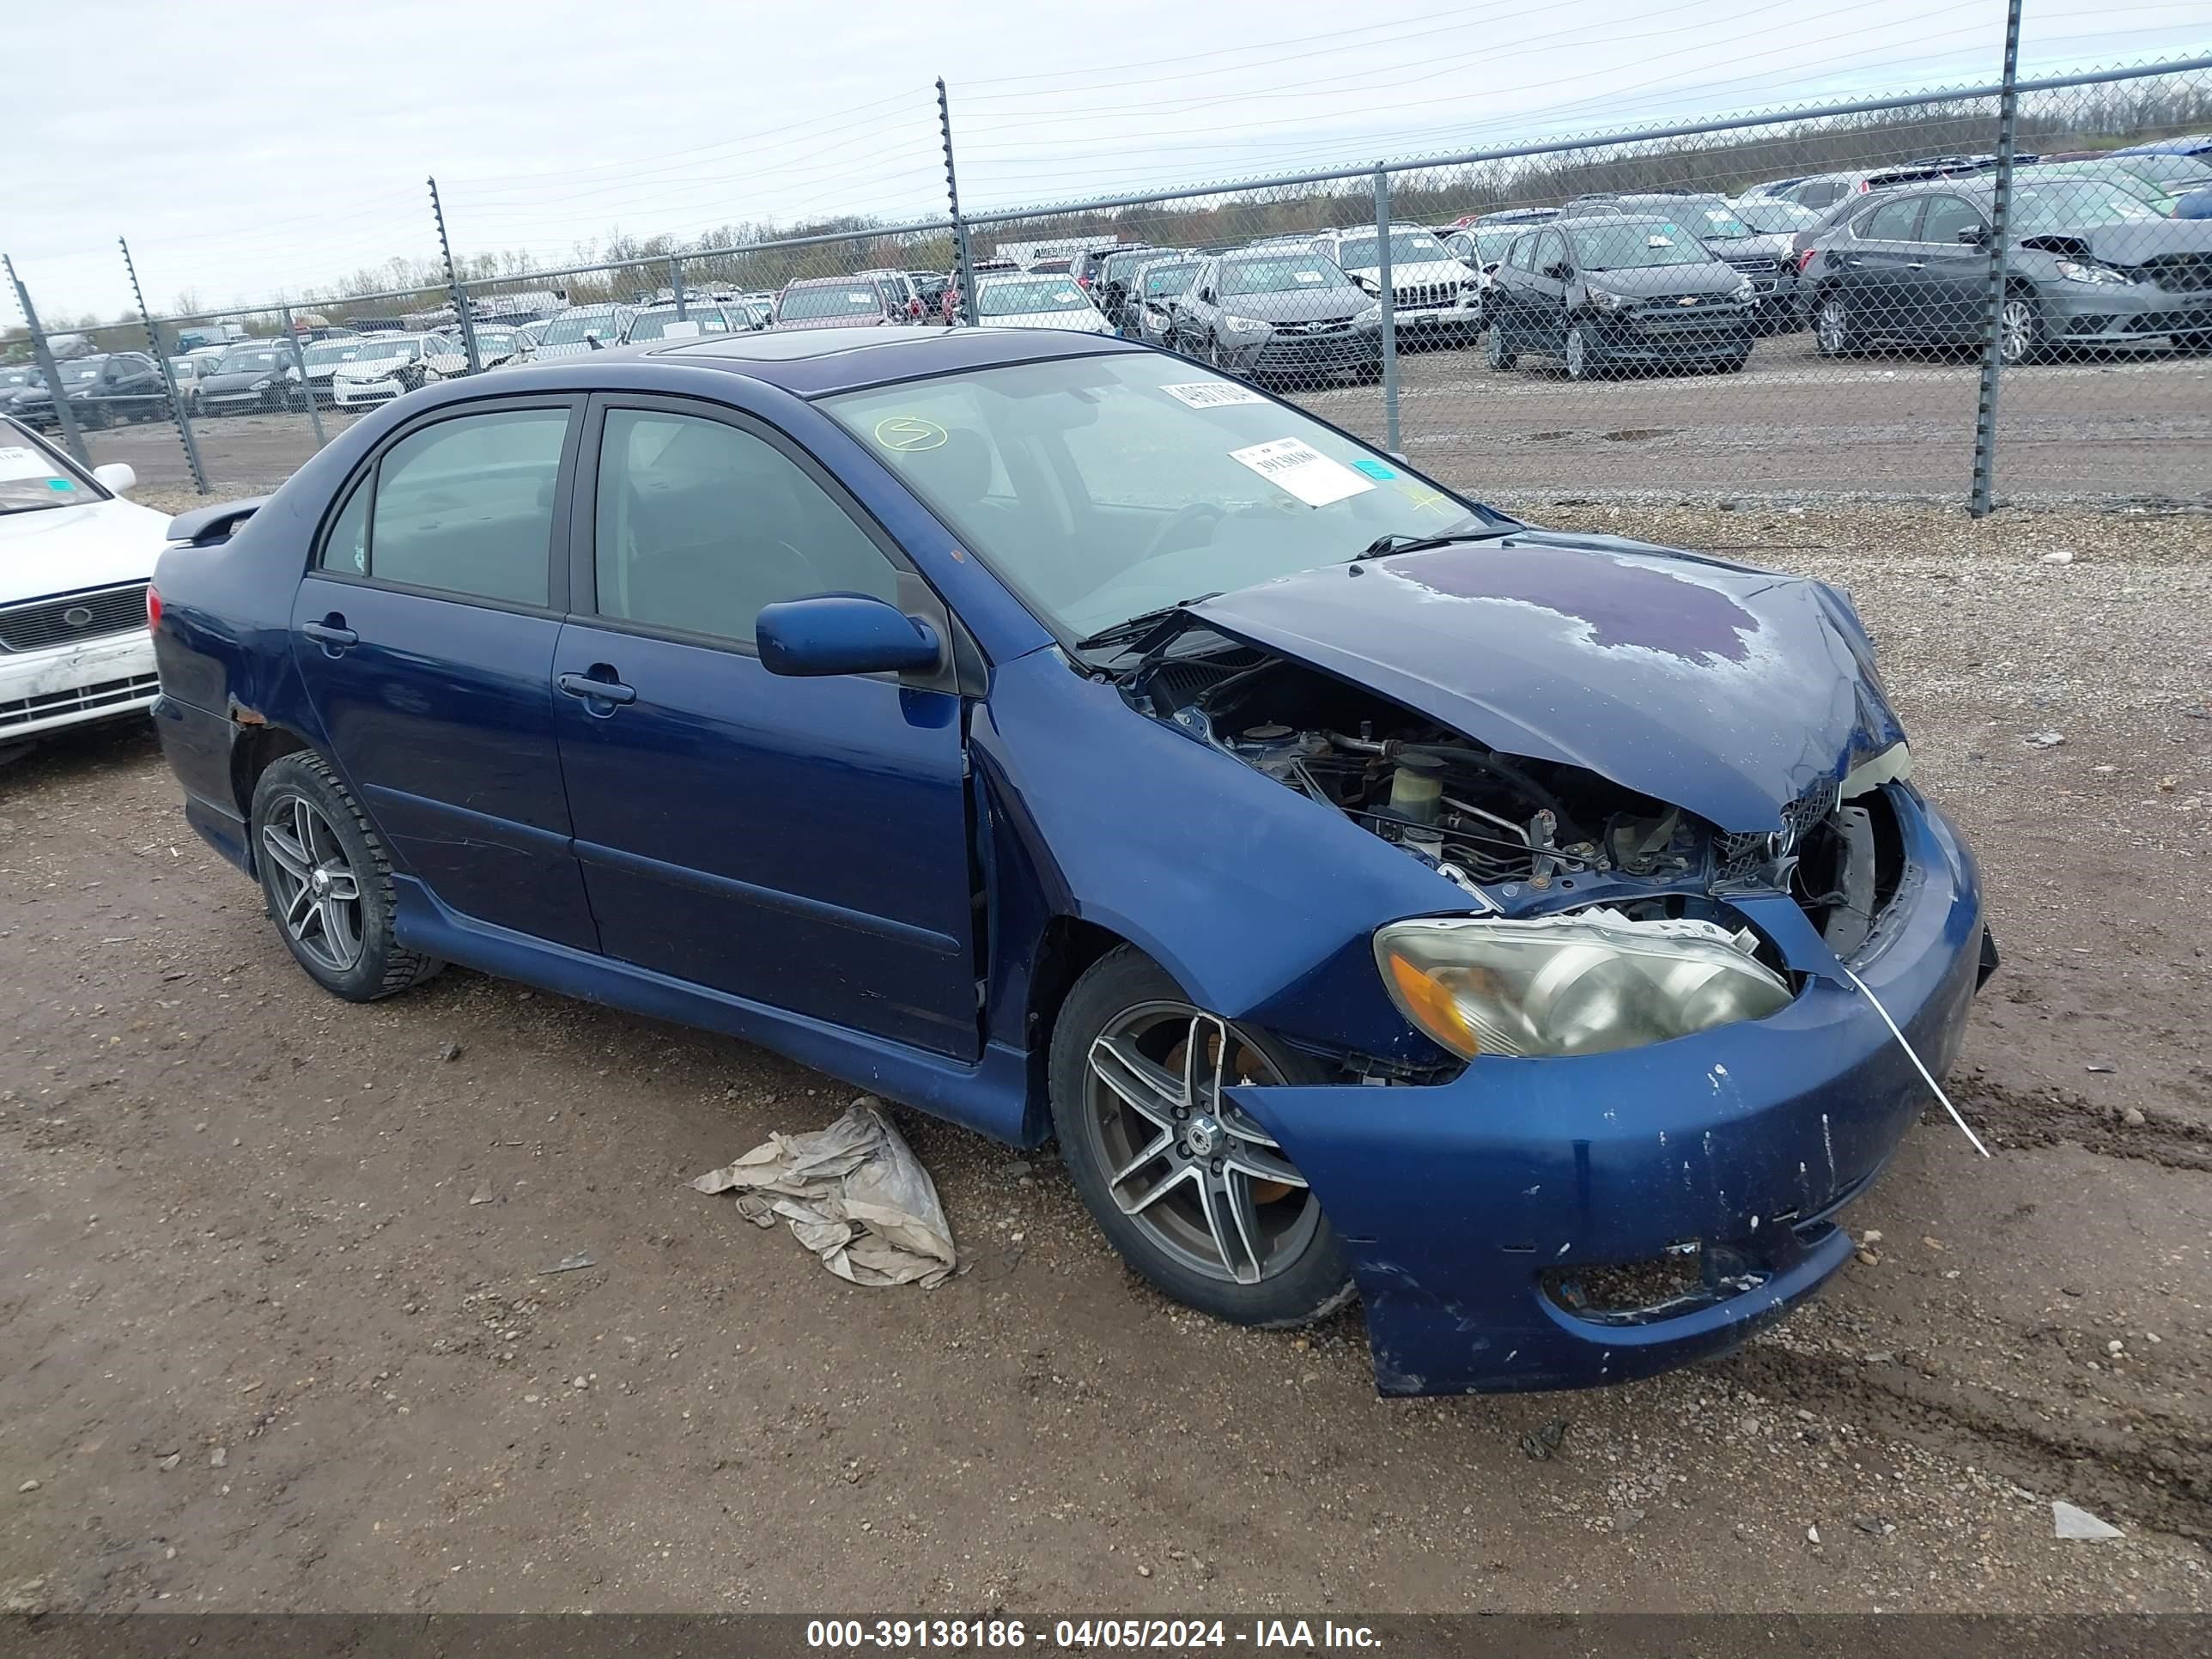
69 685
1453 321
2122 314
362 394
1463 1207
1653 336
1329 353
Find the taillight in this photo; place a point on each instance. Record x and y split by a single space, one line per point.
1805 259
153 608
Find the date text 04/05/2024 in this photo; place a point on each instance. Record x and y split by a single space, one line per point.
1085 1635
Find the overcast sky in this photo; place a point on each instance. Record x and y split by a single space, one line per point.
246 147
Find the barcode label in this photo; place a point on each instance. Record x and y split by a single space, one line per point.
1213 394
1293 465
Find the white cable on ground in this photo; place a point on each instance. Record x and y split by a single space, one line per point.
1926 1075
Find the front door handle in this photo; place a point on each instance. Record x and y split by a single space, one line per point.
331 634
610 692
1916 264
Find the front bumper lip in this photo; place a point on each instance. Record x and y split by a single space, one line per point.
2129 312
1456 1201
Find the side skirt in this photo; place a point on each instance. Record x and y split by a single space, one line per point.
990 1097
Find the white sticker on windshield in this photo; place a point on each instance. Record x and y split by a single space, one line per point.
1307 275
1213 394
1068 296
859 300
17 462
686 329
1658 241
1293 465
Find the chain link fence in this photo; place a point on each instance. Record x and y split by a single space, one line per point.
1863 301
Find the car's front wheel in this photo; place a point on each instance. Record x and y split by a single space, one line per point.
2019 330
1195 1196
1582 361
329 883
1499 353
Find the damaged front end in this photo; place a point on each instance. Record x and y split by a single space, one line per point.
1670 826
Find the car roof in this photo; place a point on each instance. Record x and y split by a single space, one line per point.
810 362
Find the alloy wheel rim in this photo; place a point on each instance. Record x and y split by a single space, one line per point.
2016 329
1204 1181
1578 354
1832 325
317 889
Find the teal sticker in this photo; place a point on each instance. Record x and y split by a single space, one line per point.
60 483
1373 469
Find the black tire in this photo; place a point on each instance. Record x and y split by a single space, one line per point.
2021 333
1499 353
1306 1279
379 967
1582 360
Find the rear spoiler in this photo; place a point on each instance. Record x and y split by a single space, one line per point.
206 526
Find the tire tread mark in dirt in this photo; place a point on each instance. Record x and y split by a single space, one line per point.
2019 1119
2160 1474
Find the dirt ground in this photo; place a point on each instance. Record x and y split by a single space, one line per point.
278 1330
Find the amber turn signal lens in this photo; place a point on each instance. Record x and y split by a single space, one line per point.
1432 1007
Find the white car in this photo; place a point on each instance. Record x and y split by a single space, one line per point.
75 562
1022 301
1434 294
386 366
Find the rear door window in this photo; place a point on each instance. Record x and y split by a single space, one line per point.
462 507
1893 221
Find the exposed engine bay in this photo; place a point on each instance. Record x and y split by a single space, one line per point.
1522 836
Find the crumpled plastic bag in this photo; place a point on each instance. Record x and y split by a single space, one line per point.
854 1195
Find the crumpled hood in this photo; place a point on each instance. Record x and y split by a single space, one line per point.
2132 245
1727 691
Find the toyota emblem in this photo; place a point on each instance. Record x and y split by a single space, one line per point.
78 616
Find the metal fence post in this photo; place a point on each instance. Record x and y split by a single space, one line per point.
1389 302
1986 411
959 225
453 286
307 385
168 375
72 440
676 284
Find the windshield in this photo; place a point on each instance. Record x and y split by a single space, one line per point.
1163 281
1073 480
1718 220
1293 273
1768 217
12 378
388 349
1022 299
1636 244
259 358
810 304
2183 172
571 328
1408 247
327 352
32 477
696 319
2078 205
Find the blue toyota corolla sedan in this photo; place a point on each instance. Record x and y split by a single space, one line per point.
1372 894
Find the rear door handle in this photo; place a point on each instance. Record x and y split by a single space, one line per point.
595 690
331 634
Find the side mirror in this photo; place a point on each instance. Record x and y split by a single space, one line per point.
843 633
1974 235
116 476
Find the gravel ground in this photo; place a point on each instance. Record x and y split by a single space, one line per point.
279 1331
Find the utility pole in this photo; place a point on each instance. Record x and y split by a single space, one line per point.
168 374
1388 301
959 225
72 440
453 286
1986 411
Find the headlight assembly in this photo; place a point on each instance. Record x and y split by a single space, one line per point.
1584 984
2075 270
1232 324
1604 299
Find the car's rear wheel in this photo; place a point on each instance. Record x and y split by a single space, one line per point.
328 882
1499 353
1835 328
1195 1196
